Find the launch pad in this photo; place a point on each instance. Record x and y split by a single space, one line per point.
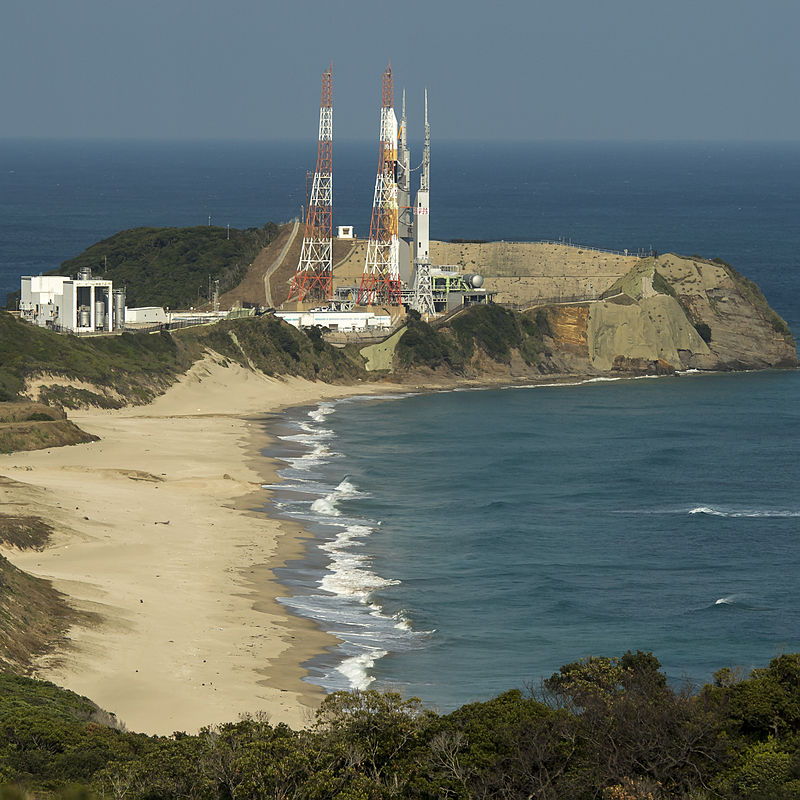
397 271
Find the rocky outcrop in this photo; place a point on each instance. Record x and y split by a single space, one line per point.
672 313
664 315
743 332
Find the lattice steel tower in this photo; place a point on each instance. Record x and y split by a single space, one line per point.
314 276
380 282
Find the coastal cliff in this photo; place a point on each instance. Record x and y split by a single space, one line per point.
654 315
665 314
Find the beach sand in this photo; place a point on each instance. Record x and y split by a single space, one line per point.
156 536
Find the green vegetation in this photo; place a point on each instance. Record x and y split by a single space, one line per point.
135 367
703 329
599 728
750 291
34 426
32 616
171 266
276 348
24 531
662 285
488 330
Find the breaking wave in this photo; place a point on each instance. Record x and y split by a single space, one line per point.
755 513
340 590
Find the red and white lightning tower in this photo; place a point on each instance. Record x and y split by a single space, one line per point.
380 282
313 279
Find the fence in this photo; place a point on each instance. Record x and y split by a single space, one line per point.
642 252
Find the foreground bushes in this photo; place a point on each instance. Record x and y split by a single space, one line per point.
600 728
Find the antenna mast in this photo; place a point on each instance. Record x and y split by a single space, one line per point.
380 282
314 276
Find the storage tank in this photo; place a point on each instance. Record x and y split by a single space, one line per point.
85 274
473 280
84 317
119 309
99 314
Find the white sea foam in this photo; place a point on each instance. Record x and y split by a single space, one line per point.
319 413
308 437
326 507
349 537
753 513
347 489
355 669
725 601
349 576
557 384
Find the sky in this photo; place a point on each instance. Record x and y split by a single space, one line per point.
496 70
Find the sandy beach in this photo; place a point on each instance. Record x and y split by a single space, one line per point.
157 538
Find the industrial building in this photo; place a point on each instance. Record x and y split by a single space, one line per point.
79 305
337 320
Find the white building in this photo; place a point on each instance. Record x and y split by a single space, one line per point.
344 232
80 305
337 320
146 315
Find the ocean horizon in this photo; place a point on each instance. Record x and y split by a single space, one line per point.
469 542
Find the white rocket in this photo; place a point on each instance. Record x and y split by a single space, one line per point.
422 203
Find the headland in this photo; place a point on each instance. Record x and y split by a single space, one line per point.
155 541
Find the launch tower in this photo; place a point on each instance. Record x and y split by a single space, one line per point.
380 282
314 276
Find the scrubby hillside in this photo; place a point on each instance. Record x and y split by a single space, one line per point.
609 728
171 266
106 371
132 368
665 314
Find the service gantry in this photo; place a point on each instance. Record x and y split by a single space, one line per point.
313 279
380 282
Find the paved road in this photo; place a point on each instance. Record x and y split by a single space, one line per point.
277 262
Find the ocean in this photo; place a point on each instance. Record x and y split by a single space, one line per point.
464 543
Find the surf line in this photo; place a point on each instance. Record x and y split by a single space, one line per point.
336 584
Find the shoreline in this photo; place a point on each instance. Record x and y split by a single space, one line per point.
157 536
190 632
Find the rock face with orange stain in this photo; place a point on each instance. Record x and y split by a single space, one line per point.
667 314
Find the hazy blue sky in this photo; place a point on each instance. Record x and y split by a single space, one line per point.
501 69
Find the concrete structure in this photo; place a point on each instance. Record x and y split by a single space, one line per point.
345 232
337 320
146 315
79 305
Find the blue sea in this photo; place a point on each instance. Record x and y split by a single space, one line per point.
468 542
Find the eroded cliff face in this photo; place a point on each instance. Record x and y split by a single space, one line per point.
745 333
649 329
673 313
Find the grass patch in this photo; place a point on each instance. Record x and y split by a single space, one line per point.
18 436
32 615
24 532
